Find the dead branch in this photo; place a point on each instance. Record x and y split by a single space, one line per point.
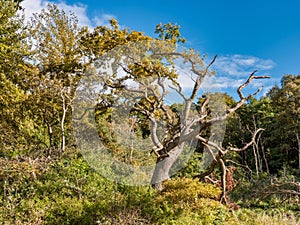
200 77
154 137
179 91
207 172
248 144
210 64
243 99
212 144
251 77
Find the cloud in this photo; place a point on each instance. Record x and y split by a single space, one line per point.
103 20
32 6
231 72
35 6
218 83
241 65
80 10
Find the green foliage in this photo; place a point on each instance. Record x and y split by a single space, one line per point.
103 39
278 114
264 192
169 32
58 59
40 67
68 191
185 199
13 68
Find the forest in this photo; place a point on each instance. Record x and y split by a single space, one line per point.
88 135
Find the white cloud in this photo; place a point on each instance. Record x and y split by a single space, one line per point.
80 10
241 65
231 72
103 20
35 6
219 83
32 6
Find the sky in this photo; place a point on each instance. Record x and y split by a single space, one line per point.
246 35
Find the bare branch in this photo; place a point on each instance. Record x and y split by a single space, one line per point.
210 143
242 100
208 172
210 64
158 145
251 77
200 77
210 151
83 114
203 105
179 91
248 144
194 121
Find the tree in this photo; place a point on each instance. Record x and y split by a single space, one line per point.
14 53
151 66
254 115
278 115
56 37
286 103
63 52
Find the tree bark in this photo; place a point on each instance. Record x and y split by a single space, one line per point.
256 159
264 156
298 140
63 137
162 168
50 133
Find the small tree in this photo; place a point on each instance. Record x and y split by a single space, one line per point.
58 57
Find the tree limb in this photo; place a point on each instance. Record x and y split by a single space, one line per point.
248 144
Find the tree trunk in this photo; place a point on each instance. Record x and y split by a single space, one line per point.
162 168
264 156
50 133
63 137
298 140
256 159
223 198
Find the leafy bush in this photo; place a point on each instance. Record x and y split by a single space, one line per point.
188 201
68 191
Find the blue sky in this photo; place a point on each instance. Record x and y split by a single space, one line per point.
247 35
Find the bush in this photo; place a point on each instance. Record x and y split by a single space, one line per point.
68 191
188 201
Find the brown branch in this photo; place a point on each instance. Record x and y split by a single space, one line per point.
210 143
208 172
251 77
242 100
248 144
238 164
210 64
